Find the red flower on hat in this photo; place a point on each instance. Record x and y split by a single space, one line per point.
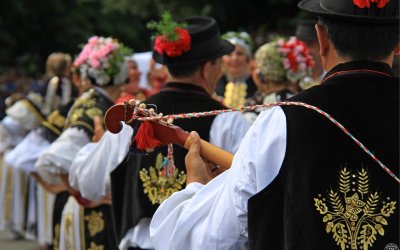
173 48
367 3
172 39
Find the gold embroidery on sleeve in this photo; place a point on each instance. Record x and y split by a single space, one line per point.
158 187
95 222
354 217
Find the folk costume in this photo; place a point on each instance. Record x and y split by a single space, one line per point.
82 224
22 158
22 117
138 184
298 180
280 65
233 91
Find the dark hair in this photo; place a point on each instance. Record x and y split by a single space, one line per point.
183 71
186 70
359 41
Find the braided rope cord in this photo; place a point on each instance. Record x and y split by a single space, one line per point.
165 118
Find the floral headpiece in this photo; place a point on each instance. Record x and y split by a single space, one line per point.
283 60
240 38
367 3
171 37
102 59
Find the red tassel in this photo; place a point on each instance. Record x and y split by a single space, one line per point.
145 137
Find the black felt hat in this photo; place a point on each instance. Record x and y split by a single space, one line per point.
360 11
305 30
206 43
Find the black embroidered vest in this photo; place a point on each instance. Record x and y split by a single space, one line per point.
329 194
136 188
93 102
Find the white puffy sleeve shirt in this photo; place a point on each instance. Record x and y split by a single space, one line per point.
58 158
25 154
214 216
91 168
11 133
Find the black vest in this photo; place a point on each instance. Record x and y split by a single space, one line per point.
93 102
329 194
130 202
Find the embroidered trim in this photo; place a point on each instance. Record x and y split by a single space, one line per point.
95 223
93 246
353 215
344 72
83 124
158 187
52 127
82 227
33 110
56 239
68 223
235 94
9 189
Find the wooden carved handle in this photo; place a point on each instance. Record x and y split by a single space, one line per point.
168 134
115 116
212 153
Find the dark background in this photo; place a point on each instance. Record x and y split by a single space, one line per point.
32 29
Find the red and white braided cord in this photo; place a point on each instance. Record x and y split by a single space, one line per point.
254 107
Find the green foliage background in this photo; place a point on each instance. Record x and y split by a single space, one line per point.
32 29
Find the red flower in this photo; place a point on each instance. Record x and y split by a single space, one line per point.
367 3
362 3
381 3
174 48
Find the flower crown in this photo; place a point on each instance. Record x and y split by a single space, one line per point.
102 59
171 38
367 3
283 60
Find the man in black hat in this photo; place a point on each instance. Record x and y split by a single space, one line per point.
300 180
195 66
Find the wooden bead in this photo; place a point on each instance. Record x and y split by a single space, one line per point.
132 102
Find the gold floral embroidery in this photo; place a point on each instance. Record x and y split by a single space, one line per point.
92 112
56 118
85 102
95 222
158 187
77 114
93 246
353 216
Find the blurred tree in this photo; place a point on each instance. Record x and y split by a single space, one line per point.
31 30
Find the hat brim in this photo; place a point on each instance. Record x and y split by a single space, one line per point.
313 6
225 48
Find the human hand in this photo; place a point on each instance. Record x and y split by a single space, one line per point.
198 170
98 129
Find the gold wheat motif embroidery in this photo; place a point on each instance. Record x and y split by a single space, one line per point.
158 187
353 215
